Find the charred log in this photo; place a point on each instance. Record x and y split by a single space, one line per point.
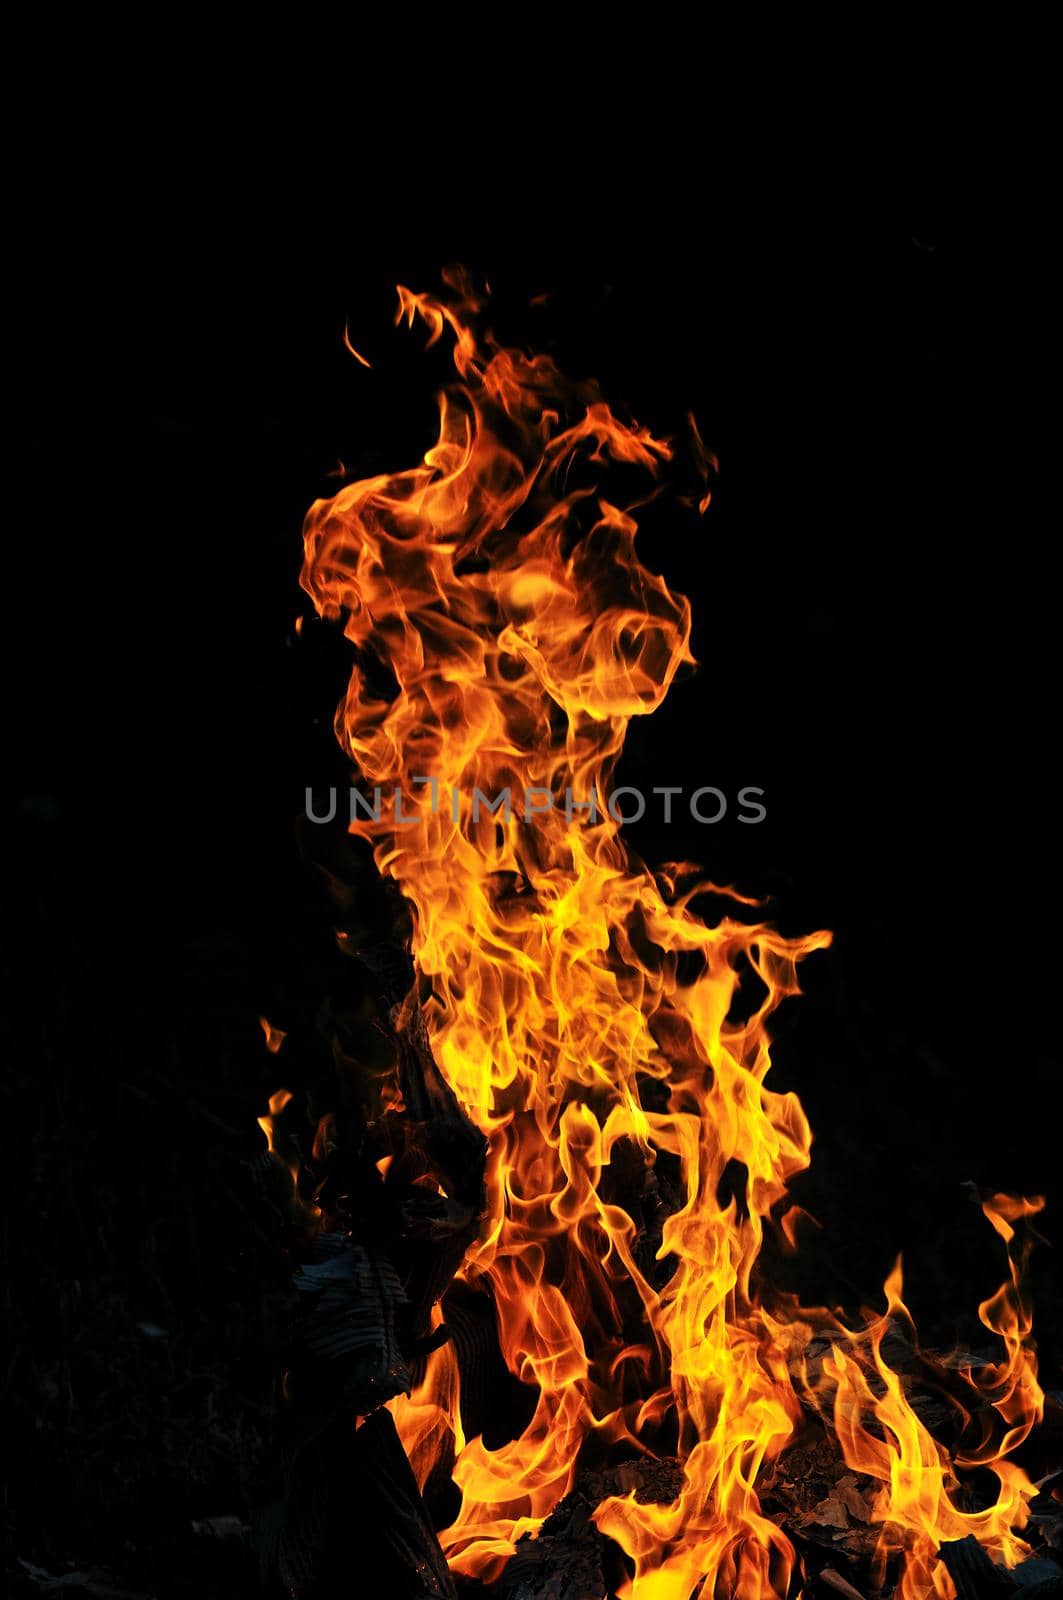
396 1179
354 1520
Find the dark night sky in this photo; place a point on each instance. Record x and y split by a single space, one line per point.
874 609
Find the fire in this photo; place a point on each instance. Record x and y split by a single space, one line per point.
285 1149
501 586
270 1124
274 1037
917 1504
277 1102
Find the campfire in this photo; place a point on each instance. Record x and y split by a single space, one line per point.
532 1331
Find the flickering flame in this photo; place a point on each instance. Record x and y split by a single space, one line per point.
286 1152
355 353
274 1037
917 1504
500 584
277 1102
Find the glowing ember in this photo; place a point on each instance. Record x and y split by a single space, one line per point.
501 587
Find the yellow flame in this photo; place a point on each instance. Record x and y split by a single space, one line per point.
917 1503
502 587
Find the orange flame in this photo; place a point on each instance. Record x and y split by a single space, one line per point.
268 1124
285 1149
355 353
501 586
274 1037
918 1504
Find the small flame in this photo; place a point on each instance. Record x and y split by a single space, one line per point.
285 1150
275 1037
355 353
707 463
277 1103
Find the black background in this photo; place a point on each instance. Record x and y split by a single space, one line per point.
874 603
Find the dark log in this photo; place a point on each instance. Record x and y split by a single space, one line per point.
354 1522
365 1293
1038 1579
977 1577
392 970
351 1300
494 1402
440 1142
971 1570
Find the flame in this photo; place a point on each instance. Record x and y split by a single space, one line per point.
285 1149
277 1102
270 1127
919 1505
355 353
429 1419
274 1037
500 584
